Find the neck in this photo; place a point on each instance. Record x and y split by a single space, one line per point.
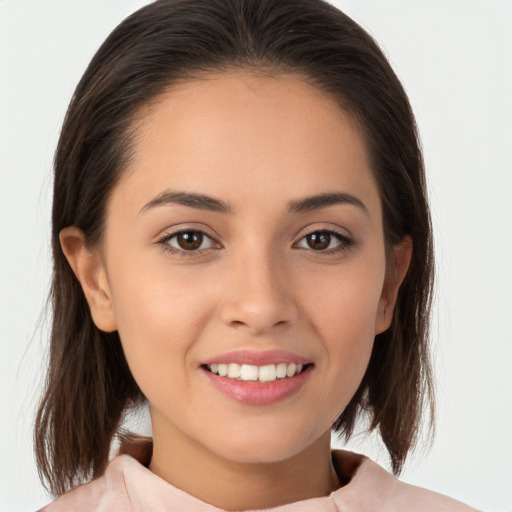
232 485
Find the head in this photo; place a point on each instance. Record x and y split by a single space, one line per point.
155 62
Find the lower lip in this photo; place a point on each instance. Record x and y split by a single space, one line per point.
258 393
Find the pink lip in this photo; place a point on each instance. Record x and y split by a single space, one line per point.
258 393
258 358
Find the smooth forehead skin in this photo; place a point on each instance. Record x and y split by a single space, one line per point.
230 122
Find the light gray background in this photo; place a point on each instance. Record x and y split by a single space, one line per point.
455 59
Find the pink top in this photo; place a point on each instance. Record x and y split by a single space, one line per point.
128 486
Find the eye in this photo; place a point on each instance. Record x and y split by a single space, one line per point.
325 241
187 241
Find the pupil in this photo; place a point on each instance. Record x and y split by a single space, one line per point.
190 240
319 241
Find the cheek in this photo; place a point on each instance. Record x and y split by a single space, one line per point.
346 304
344 313
159 318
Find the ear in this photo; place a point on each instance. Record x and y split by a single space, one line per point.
400 258
87 264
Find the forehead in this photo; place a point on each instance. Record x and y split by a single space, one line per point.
235 133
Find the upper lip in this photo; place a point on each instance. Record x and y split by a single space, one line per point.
257 357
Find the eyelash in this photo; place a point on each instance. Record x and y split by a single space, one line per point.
345 243
163 241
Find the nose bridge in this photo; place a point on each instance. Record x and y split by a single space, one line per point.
260 296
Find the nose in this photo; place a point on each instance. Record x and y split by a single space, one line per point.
259 295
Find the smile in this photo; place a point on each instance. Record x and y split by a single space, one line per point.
254 377
248 372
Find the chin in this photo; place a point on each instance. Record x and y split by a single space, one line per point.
262 447
257 454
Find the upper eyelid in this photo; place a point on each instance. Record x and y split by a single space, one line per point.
214 244
335 230
171 232
340 233
341 237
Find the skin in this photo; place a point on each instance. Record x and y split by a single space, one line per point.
257 144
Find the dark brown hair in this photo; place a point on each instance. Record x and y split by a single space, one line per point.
89 384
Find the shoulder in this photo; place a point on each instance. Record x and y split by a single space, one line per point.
127 486
373 489
107 493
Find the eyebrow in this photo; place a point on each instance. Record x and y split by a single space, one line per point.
325 200
204 202
193 200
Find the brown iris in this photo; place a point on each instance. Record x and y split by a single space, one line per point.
190 240
319 240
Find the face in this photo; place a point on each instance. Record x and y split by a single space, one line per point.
245 237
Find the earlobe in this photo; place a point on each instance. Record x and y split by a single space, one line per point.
397 270
90 271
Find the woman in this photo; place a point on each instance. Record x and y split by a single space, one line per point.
241 237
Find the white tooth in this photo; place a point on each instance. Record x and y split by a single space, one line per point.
267 373
223 370
233 371
281 370
214 368
298 369
290 370
249 372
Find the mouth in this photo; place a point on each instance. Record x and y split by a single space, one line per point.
254 373
258 379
